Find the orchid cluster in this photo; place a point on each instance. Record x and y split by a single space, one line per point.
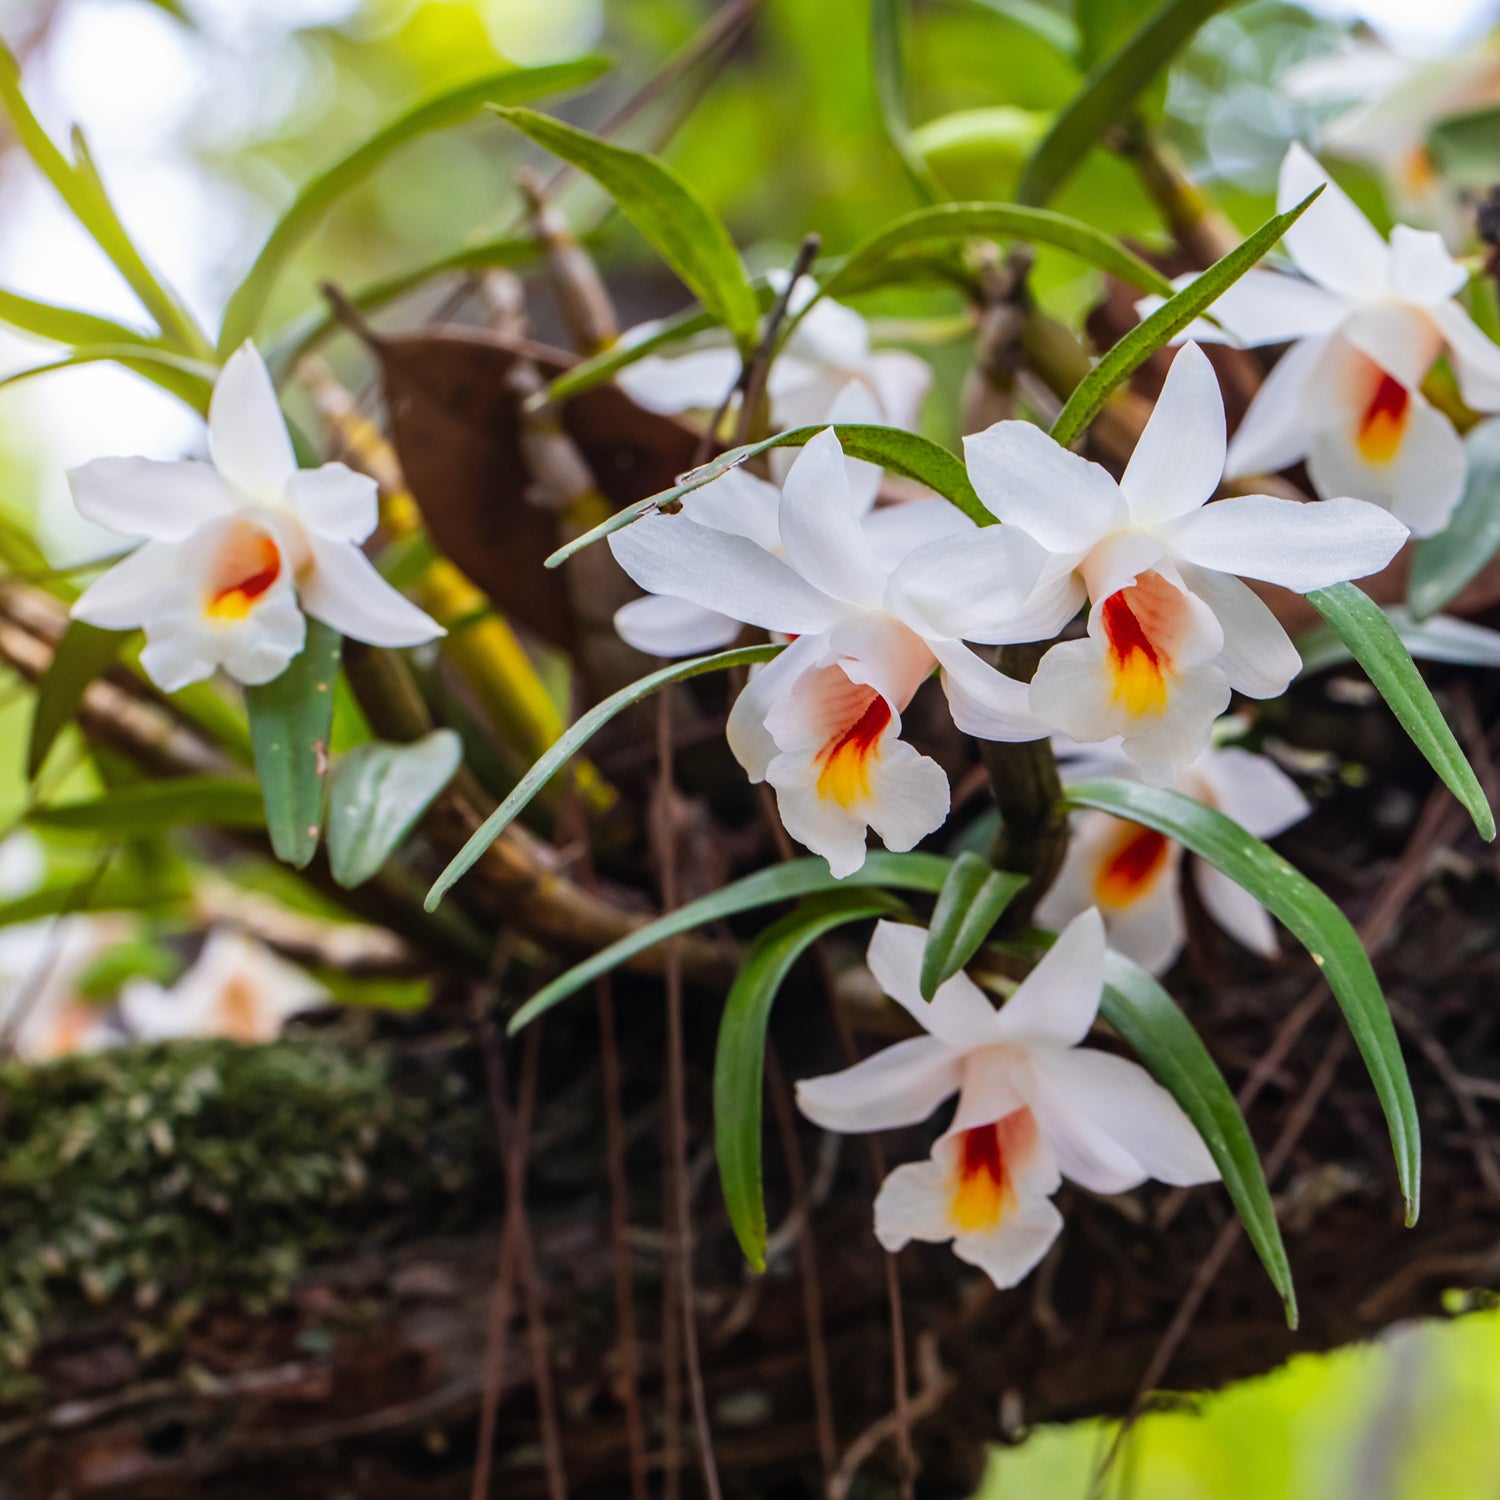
1105 617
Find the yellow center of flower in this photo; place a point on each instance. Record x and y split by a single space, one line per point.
982 1190
1140 681
844 763
1383 424
1130 867
248 567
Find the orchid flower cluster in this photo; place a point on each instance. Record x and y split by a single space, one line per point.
1138 603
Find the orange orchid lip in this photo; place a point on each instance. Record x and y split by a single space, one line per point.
845 762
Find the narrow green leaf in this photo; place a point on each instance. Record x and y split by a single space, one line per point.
740 1058
1108 93
375 796
1376 646
1052 26
1464 148
511 84
114 890
1441 565
572 741
888 59
81 656
1439 638
687 234
190 380
1157 331
901 452
290 720
79 186
1310 916
970 903
65 325
787 882
1151 1023
150 806
959 221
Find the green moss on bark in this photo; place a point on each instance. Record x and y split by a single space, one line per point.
168 1177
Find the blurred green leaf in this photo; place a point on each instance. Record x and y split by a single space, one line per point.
1376 646
959 221
82 654
375 796
190 380
1157 331
107 974
64 325
291 718
1441 565
1463 147
893 448
786 882
1312 918
888 58
114 890
248 301
1155 1028
972 899
687 234
577 735
1051 25
151 806
740 1058
1108 93
80 187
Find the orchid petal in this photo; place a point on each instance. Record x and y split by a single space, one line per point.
675 555
1333 243
1061 500
1299 546
1179 460
1253 790
142 497
899 1085
971 585
984 702
1276 430
959 1014
1258 658
695 380
820 526
335 502
1058 1000
130 592
1010 1252
1476 356
1236 910
247 433
343 590
1422 270
660 625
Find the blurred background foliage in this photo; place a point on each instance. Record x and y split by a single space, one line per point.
207 115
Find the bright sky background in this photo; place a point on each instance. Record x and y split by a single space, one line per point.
132 78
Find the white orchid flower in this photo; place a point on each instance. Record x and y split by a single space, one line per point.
828 356
1172 629
237 551
859 594
1133 874
237 988
1394 101
1034 1106
1366 321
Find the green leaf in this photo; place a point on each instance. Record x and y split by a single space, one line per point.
377 793
1376 646
970 903
248 301
901 452
1042 20
739 1060
65 325
82 654
1108 93
150 806
114 890
572 741
290 721
1464 148
1310 916
888 59
190 380
1437 639
787 882
958 221
687 234
1151 1023
1441 565
79 186
1157 331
